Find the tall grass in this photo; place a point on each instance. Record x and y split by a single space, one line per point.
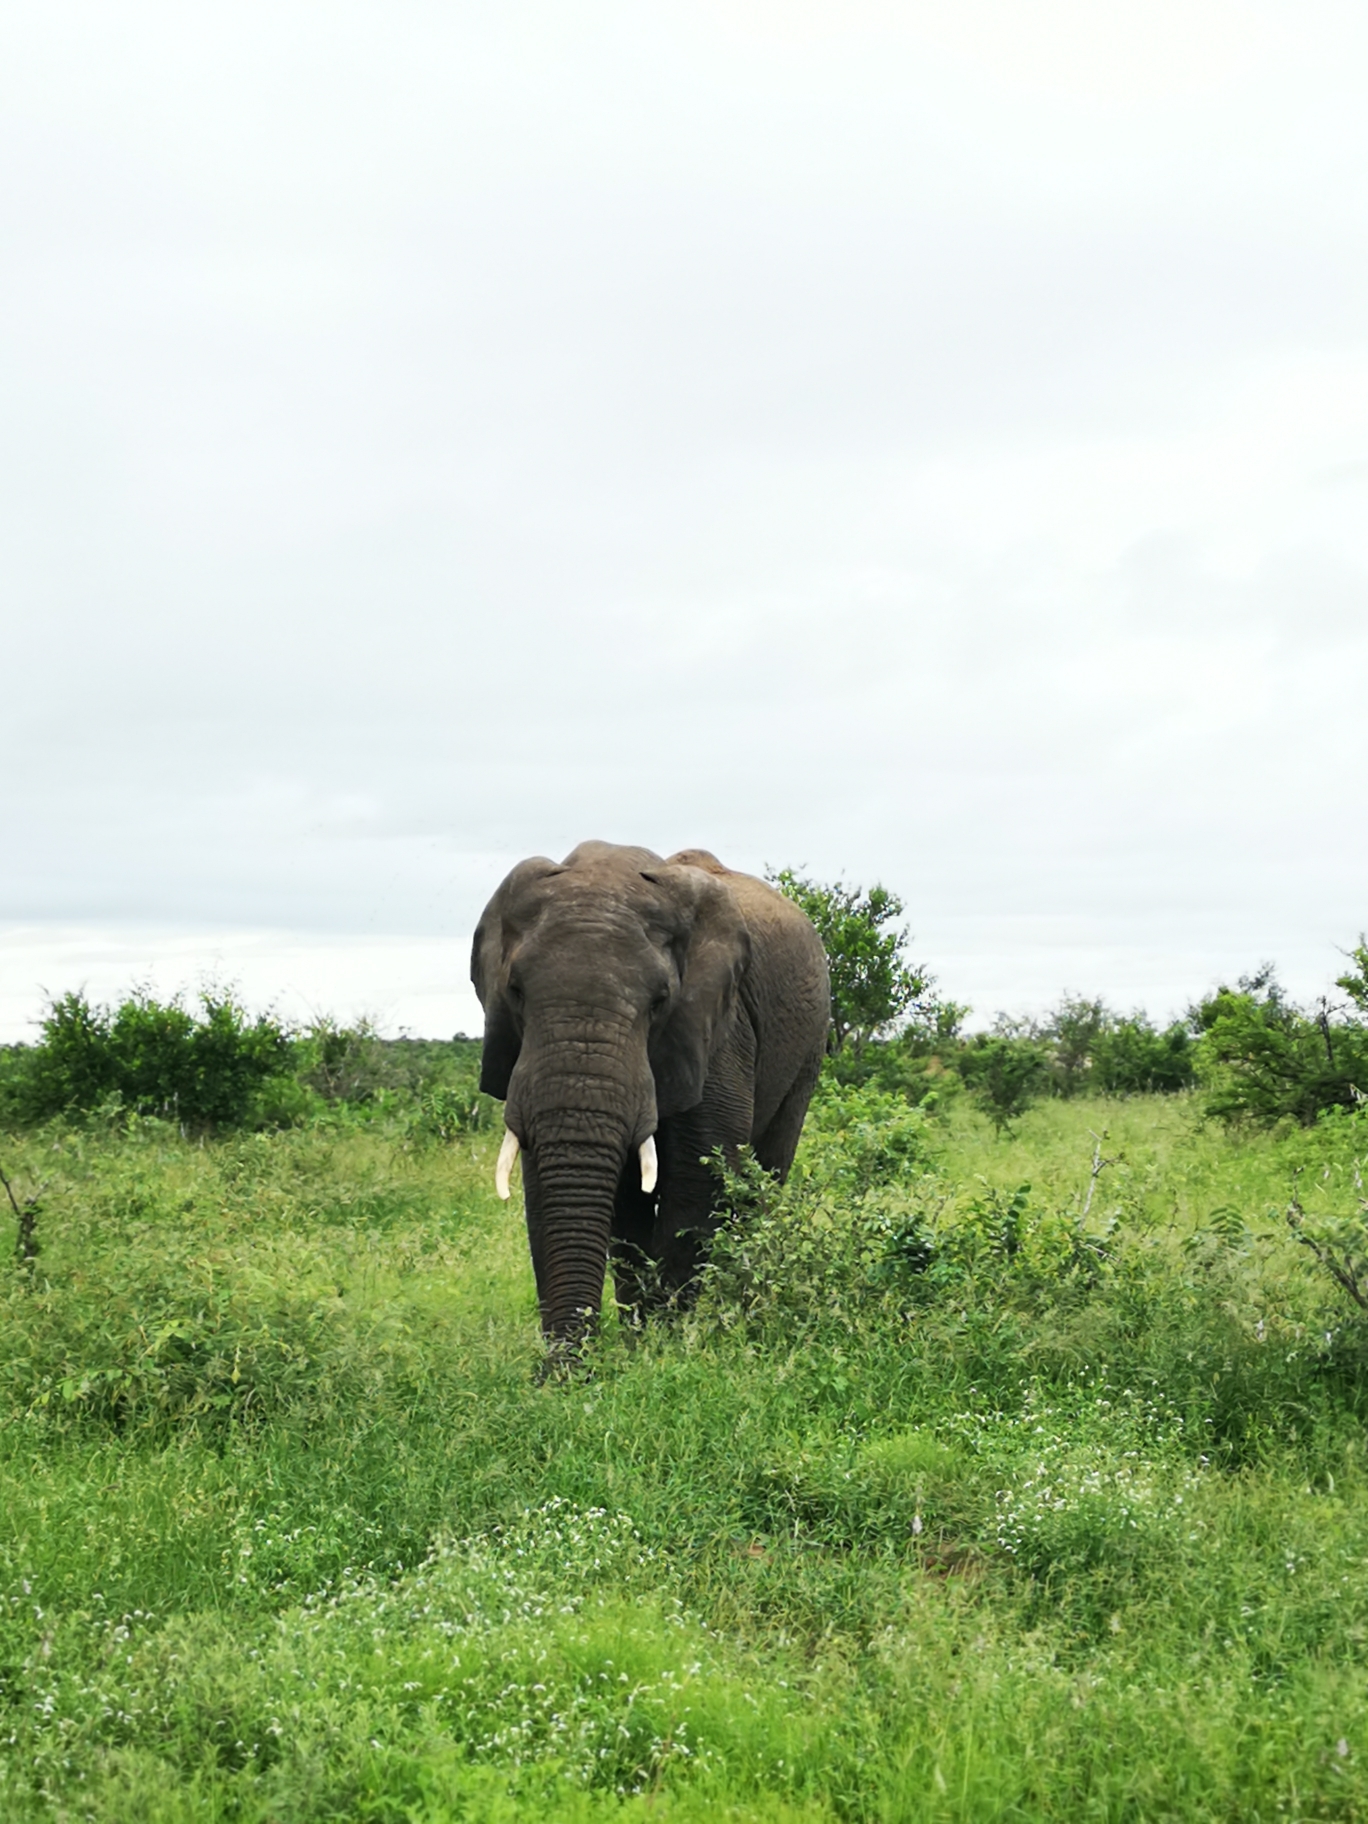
951 1501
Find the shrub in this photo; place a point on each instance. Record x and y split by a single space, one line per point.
204 1070
341 1063
1005 1074
1091 1047
450 1109
1338 1239
1072 1032
1264 1059
1080 1047
798 1251
15 1063
1131 1057
862 1137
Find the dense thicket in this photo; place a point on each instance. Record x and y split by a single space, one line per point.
216 1067
1265 1059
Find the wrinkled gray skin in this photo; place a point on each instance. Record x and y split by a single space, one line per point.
626 996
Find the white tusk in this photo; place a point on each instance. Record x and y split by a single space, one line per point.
650 1165
508 1152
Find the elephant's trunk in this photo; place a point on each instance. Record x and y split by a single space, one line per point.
569 1184
580 1100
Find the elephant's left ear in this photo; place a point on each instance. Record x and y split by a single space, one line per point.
714 954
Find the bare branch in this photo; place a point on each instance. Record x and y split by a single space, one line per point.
26 1216
1341 1270
1099 1165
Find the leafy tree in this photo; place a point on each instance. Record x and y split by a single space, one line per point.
1355 981
1074 1029
872 983
1094 1048
1264 1059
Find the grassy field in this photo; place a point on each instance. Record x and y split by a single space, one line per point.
950 1502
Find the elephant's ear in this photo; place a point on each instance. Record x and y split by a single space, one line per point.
713 955
504 917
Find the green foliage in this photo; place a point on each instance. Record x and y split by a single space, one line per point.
861 1138
872 983
1338 1239
785 1253
1130 1057
1082 1047
15 1061
341 1063
1087 1046
1074 1029
1355 981
205 1070
1005 1073
1263 1059
985 1481
218 1069
917 1064
450 1109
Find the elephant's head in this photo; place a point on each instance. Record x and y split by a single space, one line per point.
607 982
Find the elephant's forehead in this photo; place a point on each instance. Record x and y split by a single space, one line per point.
587 912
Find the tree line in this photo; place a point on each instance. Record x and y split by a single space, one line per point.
1256 1056
1253 1054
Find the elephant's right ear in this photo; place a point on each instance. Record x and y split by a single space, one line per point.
503 917
502 1040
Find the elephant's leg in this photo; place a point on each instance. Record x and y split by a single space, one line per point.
691 1189
776 1146
635 1278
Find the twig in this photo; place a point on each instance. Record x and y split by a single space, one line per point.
1323 1021
26 1215
1099 1165
1344 1276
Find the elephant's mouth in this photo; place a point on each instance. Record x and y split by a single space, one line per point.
512 1146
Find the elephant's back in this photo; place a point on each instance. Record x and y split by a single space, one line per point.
787 990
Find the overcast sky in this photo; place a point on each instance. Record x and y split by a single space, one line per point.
923 442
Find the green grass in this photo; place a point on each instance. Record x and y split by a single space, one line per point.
1071 1523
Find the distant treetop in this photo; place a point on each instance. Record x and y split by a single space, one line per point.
872 983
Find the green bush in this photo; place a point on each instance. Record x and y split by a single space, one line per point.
797 1252
1264 1059
1080 1048
858 1138
15 1063
450 1109
204 1070
1131 1057
1005 1073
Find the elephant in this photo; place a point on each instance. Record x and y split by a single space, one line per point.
640 1014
